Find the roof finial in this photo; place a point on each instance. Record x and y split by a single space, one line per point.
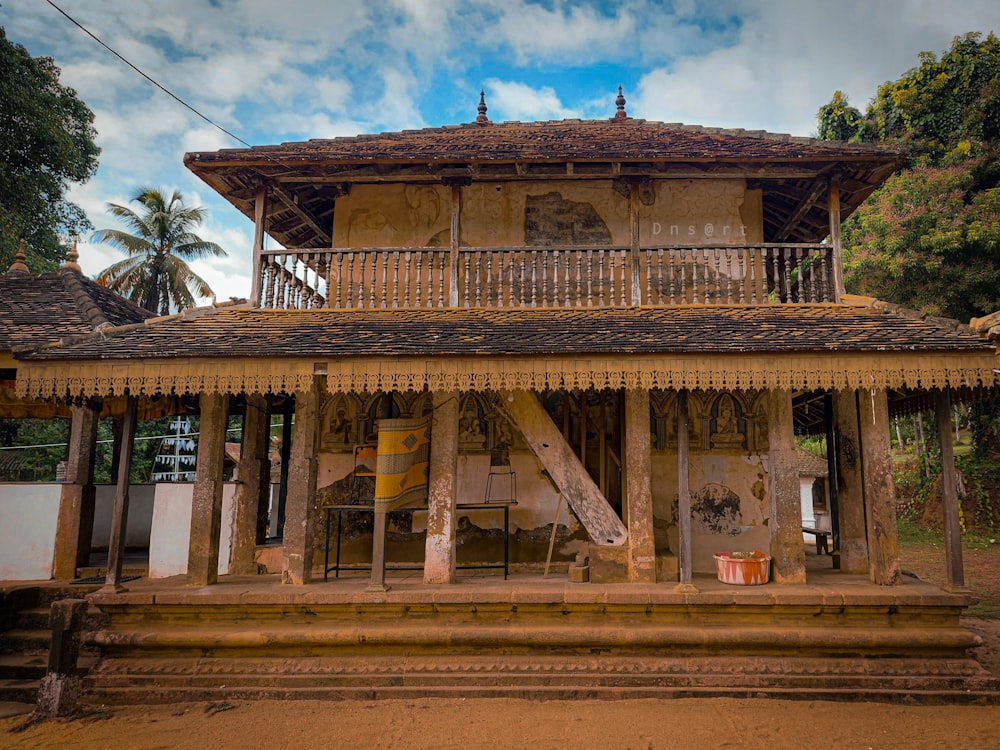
481 118
19 258
620 103
72 257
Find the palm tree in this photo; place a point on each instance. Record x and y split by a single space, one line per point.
155 274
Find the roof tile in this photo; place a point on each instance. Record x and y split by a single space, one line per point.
247 332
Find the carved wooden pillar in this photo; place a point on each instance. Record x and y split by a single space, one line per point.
76 498
260 218
439 558
788 560
880 491
835 244
206 496
254 485
456 236
300 508
949 491
638 492
683 490
119 513
850 487
832 475
633 214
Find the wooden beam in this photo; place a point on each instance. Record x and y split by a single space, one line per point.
801 210
684 558
260 218
556 455
119 512
949 491
289 200
838 257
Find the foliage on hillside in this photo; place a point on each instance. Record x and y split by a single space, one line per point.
930 237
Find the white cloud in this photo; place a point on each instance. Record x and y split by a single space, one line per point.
396 108
789 57
511 100
566 32
327 68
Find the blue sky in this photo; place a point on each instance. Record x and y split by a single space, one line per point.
272 72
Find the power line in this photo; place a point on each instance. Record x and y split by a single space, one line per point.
162 88
137 439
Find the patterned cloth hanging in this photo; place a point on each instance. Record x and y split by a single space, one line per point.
403 463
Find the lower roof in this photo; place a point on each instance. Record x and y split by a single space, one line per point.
243 349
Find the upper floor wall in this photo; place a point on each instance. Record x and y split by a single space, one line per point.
553 243
551 213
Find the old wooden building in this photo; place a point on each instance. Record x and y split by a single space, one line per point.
621 324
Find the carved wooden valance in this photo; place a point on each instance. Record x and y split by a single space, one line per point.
791 371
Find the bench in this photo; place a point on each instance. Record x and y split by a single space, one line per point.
822 539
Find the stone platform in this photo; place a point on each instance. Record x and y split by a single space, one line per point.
837 637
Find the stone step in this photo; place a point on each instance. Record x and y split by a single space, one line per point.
21 641
18 690
135 680
23 666
37 618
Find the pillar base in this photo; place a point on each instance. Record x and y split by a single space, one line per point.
608 564
667 568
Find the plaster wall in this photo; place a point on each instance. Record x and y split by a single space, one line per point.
171 528
28 515
707 211
140 516
730 506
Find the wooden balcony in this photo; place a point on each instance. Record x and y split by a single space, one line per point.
520 277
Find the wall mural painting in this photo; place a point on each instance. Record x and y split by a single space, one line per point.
550 219
728 425
471 424
339 431
715 509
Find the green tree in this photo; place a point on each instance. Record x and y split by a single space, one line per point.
839 121
928 241
930 237
155 274
46 143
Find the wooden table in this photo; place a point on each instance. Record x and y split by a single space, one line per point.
339 510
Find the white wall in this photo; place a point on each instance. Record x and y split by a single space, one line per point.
170 530
28 515
806 499
140 516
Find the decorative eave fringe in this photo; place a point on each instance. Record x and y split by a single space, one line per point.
758 371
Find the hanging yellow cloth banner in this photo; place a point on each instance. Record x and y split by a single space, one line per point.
403 463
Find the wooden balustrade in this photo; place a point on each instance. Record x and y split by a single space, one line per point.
518 277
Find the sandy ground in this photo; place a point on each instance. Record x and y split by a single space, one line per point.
470 724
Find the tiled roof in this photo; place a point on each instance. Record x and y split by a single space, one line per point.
252 333
307 177
39 308
619 140
810 465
